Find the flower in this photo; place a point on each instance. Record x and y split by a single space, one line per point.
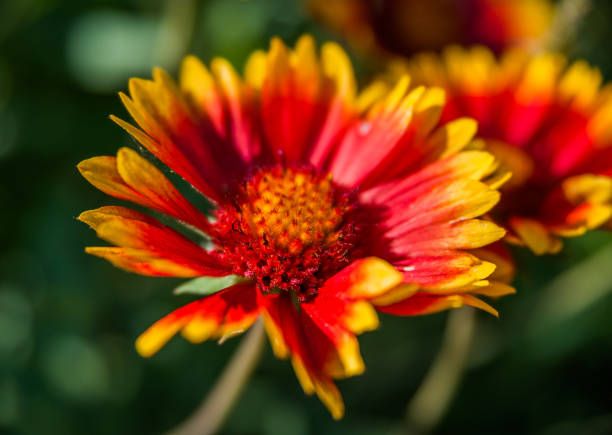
327 204
548 122
403 27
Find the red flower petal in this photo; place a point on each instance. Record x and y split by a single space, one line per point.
341 308
313 355
133 178
444 270
290 107
218 316
185 143
145 239
426 303
468 234
472 164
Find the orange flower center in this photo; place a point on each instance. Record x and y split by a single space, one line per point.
289 229
292 210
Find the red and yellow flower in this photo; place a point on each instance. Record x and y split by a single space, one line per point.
548 122
403 27
329 204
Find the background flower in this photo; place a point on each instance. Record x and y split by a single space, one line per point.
403 27
549 123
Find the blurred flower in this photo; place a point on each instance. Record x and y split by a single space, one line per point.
328 203
406 26
549 123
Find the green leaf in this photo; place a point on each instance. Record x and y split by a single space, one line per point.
207 285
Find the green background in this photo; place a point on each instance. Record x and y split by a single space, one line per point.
68 321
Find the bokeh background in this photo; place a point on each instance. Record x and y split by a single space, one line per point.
68 321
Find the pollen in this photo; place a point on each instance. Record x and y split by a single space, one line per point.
289 229
292 210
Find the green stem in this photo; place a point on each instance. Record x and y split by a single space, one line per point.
564 26
433 397
211 414
176 31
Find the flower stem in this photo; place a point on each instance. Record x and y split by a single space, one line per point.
211 414
178 22
433 397
564 25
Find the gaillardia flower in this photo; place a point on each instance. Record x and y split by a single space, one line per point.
403 27
548 123
327 204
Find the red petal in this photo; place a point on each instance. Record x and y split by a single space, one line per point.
313 355
426 303
133 178
444 270
184 141
149 239
222 315
290 107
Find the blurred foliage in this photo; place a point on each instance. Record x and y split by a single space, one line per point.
68 321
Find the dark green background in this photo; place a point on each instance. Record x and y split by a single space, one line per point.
68 321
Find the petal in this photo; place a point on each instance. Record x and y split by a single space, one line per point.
498 254
202 93
340 320
579 203
444 271
463 198
474 165
325 389
341 308
599 127
425 303
180 138
219 316
338 71
163 148
150 239
492 289
469 234
588 188
243 133
143 262
102 173
589 215
291 89
370 142
255 69
144 178
514 160
535 235
452 137
133 178
313 355
396 294
362 279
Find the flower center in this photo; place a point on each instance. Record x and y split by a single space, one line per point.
292 210
290 230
